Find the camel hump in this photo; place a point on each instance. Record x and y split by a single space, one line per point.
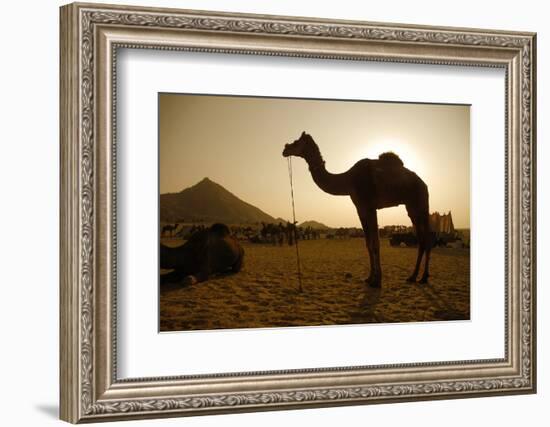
391 159
220 230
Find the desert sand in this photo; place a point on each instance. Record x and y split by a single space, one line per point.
265 293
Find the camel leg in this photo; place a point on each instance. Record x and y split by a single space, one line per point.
426 273
200 272
369 222
369 279
206 268
189 280
428 245
421 247
366 232
414 275
192 279
172 277
373 221
424 242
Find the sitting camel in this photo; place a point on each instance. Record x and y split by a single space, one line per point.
373 184
207 252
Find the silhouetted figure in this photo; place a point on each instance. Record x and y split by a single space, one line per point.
290 233
373 184
169 228
207 251
281 233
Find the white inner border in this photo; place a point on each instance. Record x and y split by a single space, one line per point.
144 352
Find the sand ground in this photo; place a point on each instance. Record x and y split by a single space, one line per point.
265 293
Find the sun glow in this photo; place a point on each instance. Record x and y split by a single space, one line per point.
405 151
411 159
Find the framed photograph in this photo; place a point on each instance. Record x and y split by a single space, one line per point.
265 212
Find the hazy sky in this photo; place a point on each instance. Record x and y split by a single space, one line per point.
238 143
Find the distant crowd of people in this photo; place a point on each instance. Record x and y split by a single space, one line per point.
276 234
287 233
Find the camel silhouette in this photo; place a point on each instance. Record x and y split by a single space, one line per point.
208 251
373 184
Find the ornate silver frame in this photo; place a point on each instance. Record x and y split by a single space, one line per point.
90 36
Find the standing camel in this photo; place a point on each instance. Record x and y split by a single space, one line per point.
373 184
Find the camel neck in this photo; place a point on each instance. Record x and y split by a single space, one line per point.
314 158
335 184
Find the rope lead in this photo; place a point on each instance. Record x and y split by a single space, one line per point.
289 160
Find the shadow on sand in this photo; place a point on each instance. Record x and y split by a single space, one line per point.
444 309
367 309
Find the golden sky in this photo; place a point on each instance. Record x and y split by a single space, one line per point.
237 142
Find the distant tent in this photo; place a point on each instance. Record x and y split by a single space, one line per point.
442 223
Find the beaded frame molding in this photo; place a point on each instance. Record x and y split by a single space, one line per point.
90 37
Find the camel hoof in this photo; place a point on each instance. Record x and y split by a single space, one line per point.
411 279
423 281
374 283
189 280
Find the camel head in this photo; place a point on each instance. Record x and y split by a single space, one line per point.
299 148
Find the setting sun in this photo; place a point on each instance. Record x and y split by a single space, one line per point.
404 150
